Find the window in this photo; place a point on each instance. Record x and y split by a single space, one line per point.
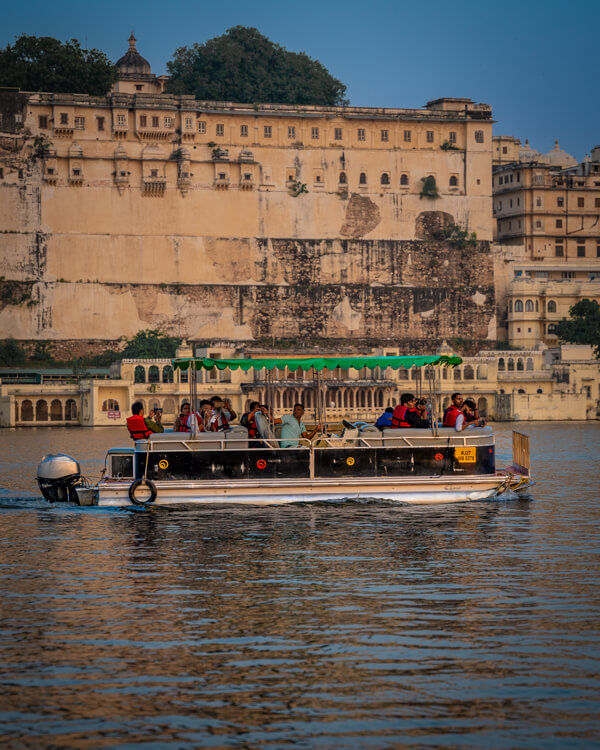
505 149
559 250
362 180
291 131
567 275
337 134
551 306
343 179
243 131
538 224
580 202
139 86
314 133
202 126
64 118
76 172
500 180
560 202
385 135
220 129
362 135
529 306
404 179
154 173
510 203
518 306
452 136
407 136
143 121
509 305
110 404
538 202
581 251
189 123
155 122
168 122
479 136
518 177
501 364
597 202
121 120
559 223
268 131
1 173
453 181
430 136
43 121
551 328
100 123
385 179
598 250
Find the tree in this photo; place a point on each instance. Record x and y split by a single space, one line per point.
11 353
584 325
242 65
43 63
150 344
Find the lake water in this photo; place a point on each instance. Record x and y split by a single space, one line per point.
329 626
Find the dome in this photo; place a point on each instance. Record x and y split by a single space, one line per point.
132 61
526 153
559 158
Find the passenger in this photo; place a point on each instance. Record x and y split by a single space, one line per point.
154 420
293 428
470 410
221 416
181 421
455 416
248 419
385 420
408 414
198 420
138 429
225 406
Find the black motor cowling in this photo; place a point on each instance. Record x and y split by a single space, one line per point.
57 477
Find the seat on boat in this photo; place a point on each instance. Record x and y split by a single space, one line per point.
477 435
371 436
236 437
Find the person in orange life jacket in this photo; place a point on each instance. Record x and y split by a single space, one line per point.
455 417
181 421
248 419
407 414
136 424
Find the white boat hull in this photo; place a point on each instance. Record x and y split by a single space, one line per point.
415 491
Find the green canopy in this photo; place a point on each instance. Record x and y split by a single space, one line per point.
319 363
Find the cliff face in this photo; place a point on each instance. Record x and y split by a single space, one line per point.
103 233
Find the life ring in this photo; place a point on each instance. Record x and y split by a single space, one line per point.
133 487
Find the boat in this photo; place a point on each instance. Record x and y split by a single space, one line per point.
358 462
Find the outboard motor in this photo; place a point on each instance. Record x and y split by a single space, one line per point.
57 476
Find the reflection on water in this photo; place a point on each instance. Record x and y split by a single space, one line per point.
362 625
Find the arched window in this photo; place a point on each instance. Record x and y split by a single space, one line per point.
539 390
469 374
501 364
183 376
510 306
551 306
385 179
169 406
139 374
479 136
153 374
511 364
482 406
402 374
362 180
482 372
537 307
551 328
521 390
404 179
70 410
529 363
453 181
41 411
343 178
414 373
167 374
445 373
26 411
110 404
380 398
457 373
501 390
518 305
529 306
56 413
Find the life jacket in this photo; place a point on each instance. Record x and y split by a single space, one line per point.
220 423
399 416
182 425
450 416
137 427
250 425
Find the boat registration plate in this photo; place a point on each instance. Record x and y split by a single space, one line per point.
466 455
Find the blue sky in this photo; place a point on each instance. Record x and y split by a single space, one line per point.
535 62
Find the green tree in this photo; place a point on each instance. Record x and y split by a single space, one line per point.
242 65
11 353
150 343
43 63
584 325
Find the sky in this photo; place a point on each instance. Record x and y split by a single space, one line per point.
534 62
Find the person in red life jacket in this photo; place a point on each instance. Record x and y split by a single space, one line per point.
199 421
225 413
136 424
181 421
407 414
248 419
455 417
